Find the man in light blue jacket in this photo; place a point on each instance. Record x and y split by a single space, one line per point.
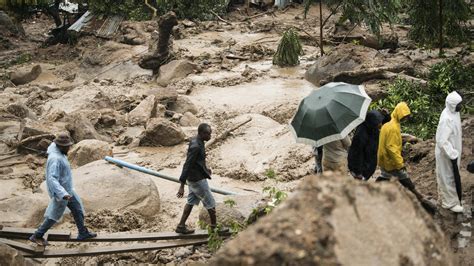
61 192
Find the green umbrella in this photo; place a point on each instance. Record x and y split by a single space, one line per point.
330 113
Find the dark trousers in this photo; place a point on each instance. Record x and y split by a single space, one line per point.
76 210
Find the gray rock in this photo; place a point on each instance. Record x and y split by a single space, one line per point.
182 105
10 256
161 132
81 128
226 215
143 112
87 151
20 110
174 70
189 120
20 77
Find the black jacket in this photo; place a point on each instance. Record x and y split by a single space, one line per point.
195 169
362 157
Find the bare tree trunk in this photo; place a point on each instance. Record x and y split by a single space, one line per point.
440 27
321 26
162 54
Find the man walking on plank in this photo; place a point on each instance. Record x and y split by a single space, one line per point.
61 192
195 173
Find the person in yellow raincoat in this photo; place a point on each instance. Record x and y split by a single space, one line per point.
389 155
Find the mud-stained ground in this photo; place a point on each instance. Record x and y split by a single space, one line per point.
101 80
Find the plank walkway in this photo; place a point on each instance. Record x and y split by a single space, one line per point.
11 235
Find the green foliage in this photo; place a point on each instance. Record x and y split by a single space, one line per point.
215 241
426 104
230 202
20 59
192 9
425 112
372 13
425 21
236 227
289 49
276 197
132 9
270 173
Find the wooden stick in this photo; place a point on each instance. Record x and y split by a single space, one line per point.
232 56
12 164
258 15
219 18
226 133
20 132
10 156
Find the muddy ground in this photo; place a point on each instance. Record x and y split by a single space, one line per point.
102 77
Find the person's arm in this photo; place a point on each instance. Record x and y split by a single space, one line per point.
191 157
52 179
394 152
443 141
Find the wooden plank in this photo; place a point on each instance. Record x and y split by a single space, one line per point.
138 237
25 233
94 251
23 247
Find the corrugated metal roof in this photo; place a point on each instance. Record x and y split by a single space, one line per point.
110 26
81 22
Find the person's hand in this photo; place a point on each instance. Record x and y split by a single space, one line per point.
67 197
180 191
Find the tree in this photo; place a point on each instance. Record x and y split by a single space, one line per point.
289 50
369 12
433 22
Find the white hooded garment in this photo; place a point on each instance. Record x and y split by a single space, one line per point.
448 147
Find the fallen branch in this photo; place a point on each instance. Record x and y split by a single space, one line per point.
219 18
12 164
258 15
226 133
390 75
232 56
10 156
22 129
34 138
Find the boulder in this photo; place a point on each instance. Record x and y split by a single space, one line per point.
105 186
8 26
182 105
356 64
174 70
89 150
143 112
11 256
352 223
131 136
226 215
147 109
20 110
81 128
21 77
161 132
189 120
23 209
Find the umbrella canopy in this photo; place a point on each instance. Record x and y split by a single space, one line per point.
330 113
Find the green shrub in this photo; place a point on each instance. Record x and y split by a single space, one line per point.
426 104
289 49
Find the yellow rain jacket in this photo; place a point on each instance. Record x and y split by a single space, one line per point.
390 141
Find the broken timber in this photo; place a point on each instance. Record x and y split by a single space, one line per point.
170 240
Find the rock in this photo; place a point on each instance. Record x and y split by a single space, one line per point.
87 151
376 89
8 26
20 78
189 120
163 95
131 135
183 252
10 256
143 112
105 186
20 110
226 215
182 105
23 210
161 132
353 223
356 64
174 70
81 128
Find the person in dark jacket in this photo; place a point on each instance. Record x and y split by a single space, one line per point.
195 174
362 157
